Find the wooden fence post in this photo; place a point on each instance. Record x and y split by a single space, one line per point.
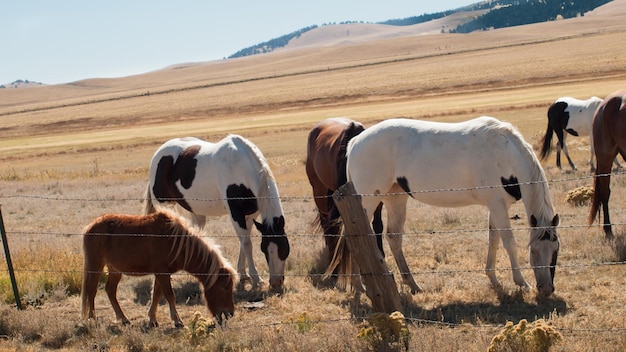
380 285
7 255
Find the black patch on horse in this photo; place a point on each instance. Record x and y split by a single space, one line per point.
169 172
274 234
241 202
404 184
511 186
558 119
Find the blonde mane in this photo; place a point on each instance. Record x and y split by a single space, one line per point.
191 241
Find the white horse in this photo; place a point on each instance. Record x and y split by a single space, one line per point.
481 161
227 177
574 117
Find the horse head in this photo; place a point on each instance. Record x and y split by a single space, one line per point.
219 296
544 250
275 246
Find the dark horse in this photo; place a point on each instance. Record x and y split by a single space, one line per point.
326 170
609 139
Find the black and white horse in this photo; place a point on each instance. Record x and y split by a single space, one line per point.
575 117
482 161
228 177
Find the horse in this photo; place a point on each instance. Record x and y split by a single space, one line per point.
326 171
159 244
482 161
228 177
609 133
575 117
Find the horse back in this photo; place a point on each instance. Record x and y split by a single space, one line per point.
326 150
609 125
129 243
423 156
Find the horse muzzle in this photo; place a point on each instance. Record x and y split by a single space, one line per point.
276 281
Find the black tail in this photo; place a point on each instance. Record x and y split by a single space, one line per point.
546 148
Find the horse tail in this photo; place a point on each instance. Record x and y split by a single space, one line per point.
148 206
342 261
546 148
594 209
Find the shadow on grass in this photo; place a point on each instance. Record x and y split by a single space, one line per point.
511 307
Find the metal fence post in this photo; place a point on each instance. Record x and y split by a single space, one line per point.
7 255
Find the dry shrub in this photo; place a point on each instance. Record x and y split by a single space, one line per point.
385 332
537 336
580 196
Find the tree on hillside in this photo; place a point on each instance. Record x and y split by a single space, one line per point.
519 12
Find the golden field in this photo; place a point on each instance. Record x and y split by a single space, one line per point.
72 152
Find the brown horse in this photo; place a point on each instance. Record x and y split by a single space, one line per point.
326 170
159 244
609 139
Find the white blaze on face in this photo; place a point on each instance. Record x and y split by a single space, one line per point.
276 266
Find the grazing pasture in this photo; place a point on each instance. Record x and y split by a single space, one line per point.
72 152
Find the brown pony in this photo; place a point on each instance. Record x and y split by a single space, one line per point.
159 244
326 170
609 139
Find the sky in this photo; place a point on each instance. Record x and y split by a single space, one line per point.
64 41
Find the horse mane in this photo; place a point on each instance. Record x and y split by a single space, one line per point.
268 197
189 241
535 193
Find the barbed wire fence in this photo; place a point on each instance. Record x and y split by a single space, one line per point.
288 199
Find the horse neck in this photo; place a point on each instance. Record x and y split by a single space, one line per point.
268 197
202 263
535 191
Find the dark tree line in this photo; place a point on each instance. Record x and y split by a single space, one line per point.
271 44
518 12
503 13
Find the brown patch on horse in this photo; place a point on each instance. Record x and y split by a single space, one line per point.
609 137
169 172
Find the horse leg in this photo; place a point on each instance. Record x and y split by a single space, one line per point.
566 152
377 226
558 154
603 189
592 165
396 217
165 284
157 293
245 254
500 228
111 289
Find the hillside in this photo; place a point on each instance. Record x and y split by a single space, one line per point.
482 15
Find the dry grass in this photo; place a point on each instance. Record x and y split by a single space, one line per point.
60 167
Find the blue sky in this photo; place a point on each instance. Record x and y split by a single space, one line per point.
65 41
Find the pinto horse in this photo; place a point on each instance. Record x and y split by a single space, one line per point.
228 177
158 244
481 161
609 132
575 117
326 170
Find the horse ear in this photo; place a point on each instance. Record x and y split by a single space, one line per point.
555 220
259 226
533 221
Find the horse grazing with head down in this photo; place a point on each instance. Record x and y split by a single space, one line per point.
158 244
326 170
574 116
228 177
481 161
609 133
